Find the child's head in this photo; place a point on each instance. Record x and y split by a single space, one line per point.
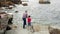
29 16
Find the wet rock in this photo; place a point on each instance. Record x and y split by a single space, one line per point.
25 4
6 4
9 7
55 31
16 1
44 2
10 2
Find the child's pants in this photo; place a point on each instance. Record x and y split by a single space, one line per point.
29 24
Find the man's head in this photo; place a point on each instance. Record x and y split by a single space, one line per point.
26 11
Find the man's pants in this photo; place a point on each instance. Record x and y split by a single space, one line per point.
24 22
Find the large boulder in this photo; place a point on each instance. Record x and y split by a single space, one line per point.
4 18
54 30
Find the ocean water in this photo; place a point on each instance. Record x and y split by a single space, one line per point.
48 14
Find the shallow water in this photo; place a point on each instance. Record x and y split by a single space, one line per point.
40 13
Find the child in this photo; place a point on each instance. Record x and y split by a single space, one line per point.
29 20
